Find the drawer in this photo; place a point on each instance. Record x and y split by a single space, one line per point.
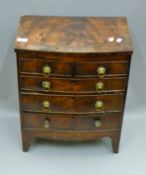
71 104
45 68
102 69
70 85
83 69
70 122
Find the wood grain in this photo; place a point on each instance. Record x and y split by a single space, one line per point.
80 69
73 34
70 122
73 85
69 104
74 47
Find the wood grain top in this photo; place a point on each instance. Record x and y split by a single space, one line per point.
73 34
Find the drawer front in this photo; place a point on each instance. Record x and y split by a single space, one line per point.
112 68
68 122
72 104
88 85
84 69
34 66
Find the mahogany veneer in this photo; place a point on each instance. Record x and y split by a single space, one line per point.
73 77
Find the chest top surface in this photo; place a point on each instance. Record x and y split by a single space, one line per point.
73 34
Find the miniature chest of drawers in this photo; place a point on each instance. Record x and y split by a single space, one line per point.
72 77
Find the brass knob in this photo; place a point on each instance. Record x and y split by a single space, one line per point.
99 86
46 104
98 123
101 71
46 69
46 124
46 85
98 105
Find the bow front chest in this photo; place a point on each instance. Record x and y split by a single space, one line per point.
72 77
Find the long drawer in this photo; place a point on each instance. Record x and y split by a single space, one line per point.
70 85
70 122
71 104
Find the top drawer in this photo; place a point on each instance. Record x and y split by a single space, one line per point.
45 67
101 69
78 69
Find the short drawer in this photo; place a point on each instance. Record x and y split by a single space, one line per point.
69 104
70 122
102 69
45 68
70 85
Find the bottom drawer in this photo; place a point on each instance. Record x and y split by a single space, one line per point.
70 122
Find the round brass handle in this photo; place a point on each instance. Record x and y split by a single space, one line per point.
46 85
101 71
46 69
99 86
46 124
98 123
46 104
98 105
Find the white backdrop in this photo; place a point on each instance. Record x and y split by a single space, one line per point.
133 128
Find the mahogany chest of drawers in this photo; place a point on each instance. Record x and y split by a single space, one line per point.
72 76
